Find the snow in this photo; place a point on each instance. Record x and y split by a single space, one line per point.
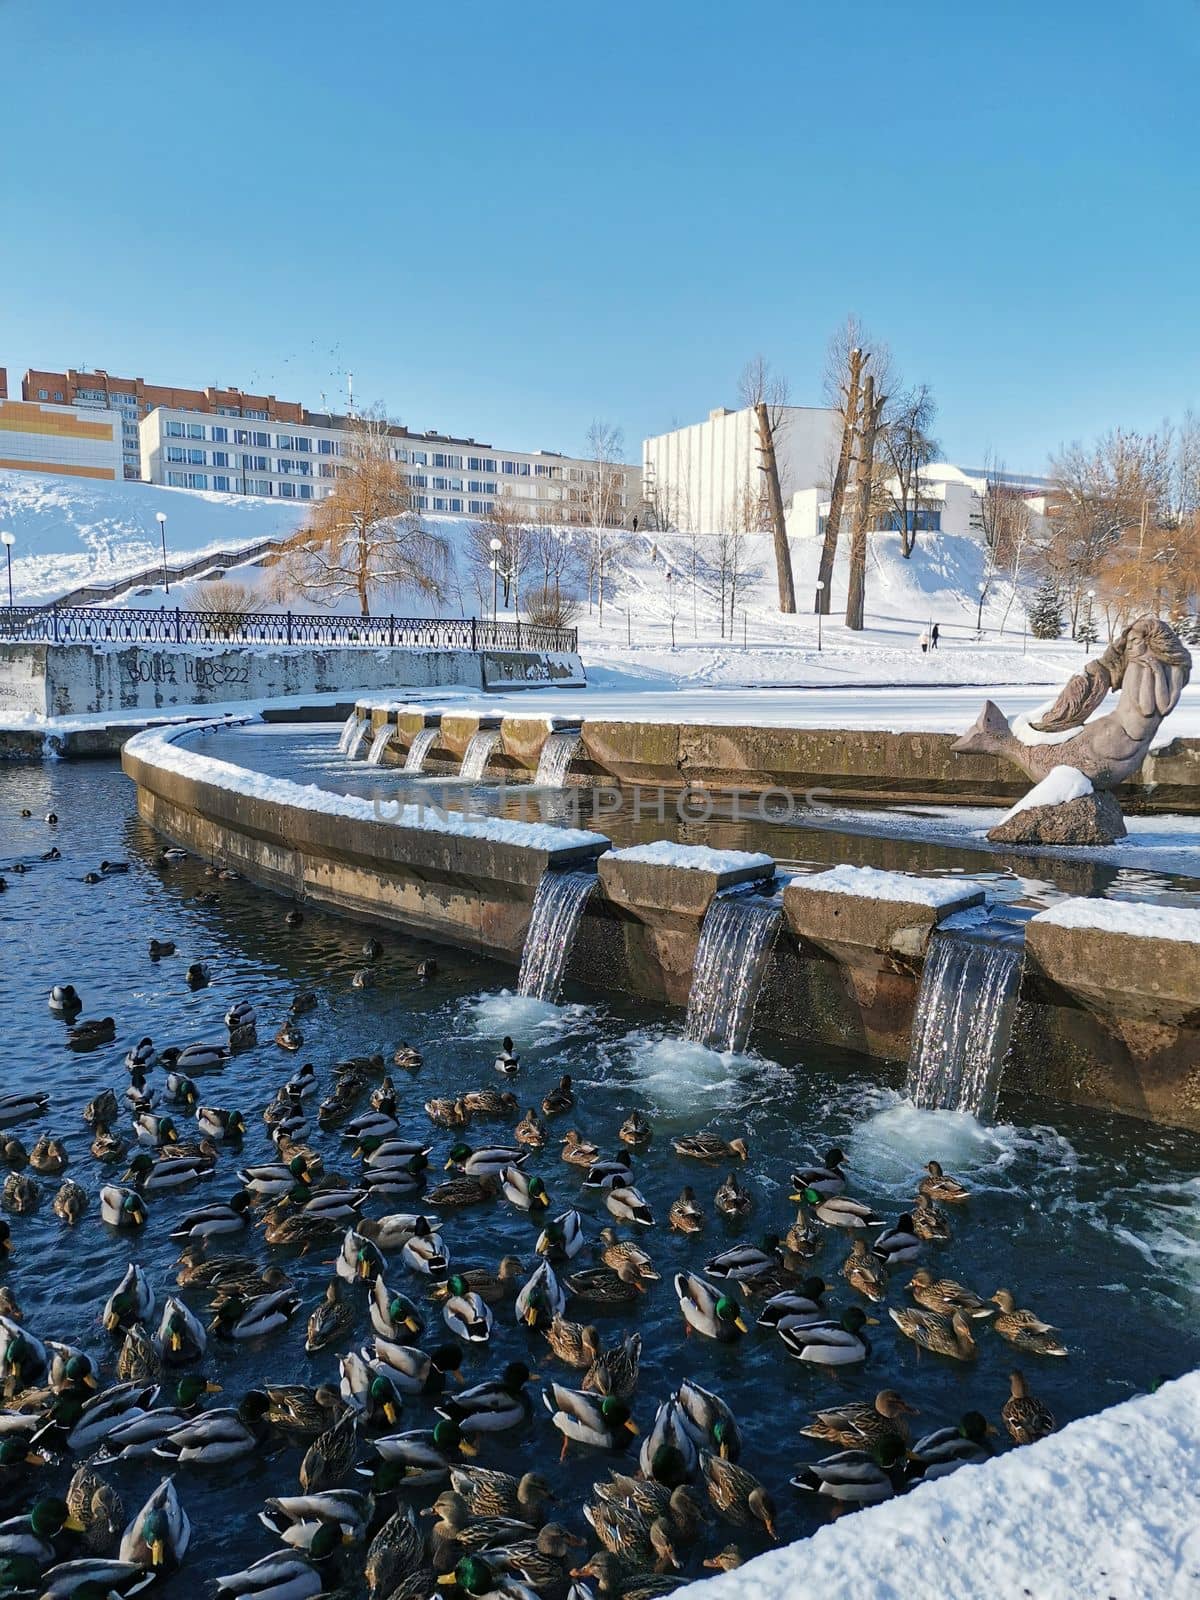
1106 1509
1060 786
1134 918
163 748
694 857
870 883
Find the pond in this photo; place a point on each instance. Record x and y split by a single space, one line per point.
1092 1220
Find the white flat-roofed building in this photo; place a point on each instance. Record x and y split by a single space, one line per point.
301 461
72 441
952 500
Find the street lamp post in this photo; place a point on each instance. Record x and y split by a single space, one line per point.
820 608
495 547
979 616
161 518
1087 632
8 540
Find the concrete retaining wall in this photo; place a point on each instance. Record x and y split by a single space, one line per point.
76 679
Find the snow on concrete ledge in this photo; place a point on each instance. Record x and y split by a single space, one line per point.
870 883
162 748
1108 1509
1138 919
696 857
1060 786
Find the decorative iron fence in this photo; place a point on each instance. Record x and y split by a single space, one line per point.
86 625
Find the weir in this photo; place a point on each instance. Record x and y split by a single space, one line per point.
350 731
478 753
423 741
558 906
559 750
379 744
965 1008
731 960
357 735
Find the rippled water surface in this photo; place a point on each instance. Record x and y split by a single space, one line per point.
1093 1221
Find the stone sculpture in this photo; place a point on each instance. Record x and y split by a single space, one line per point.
1149 665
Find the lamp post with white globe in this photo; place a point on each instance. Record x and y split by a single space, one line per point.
820 608
161 518
8 540
495 547
979 616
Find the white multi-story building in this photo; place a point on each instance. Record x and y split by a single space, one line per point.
952 500
701 478
301 461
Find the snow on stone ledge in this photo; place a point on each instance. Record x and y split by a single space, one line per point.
162 748
1057 788
696 857
1138 919
870 883
1107 1509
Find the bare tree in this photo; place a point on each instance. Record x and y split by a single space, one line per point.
866 490
766 394
504 526
601 503
367 537
843 389
909 447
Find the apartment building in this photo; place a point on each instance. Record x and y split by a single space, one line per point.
301 460
134 398
72 441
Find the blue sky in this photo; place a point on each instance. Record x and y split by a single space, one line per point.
509 220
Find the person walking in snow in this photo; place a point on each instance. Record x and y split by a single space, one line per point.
924 642
933 637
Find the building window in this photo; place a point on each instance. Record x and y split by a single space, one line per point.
303 443
58 396
255 464
399 455
219 435
177 480
306 491
479 508
195 430
220 458
448 483
174 430
517 469
480 464
221 482
255 416
441 503
420 502
287 491
284 441
420 458
197 458
454 463
327 447
176 452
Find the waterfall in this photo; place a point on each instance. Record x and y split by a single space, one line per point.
731 958
357 735
350 732
379 744
556 756
557 907
423 740
968 996
478 753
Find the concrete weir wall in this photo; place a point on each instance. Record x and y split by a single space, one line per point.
1110 1012
53 680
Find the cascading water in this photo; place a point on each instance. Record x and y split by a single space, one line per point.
965 1008
351 731
557 907
731 959
478 753
379 744
423 741
357 737
556 756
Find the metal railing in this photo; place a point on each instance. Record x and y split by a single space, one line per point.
85 625
90 594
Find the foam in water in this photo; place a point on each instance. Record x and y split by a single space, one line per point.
557 907
477 754
731 958
526 1019
556 756
379 744
352 732
423 741
965 1008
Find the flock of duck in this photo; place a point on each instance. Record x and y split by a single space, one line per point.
408 1511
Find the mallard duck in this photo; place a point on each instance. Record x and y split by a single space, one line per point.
742 1262
239 1318
507 1060
607 1286
426 1253
731 1199
628 1205
823 1180
97 1417
295 1408
614 1250
29 1539
131 1301
678 1506
64 997
562 1238
615 1371
490 1493
92 1033
864 1272
1026 1417
407 1056
331 1319
211 1222
483 1579
540 1297
140 1055
349 1510
154 1130
710 1147
585 1419
16 1107
96 1506
929 1221
937 1185
102 1111
466 1314
576 1343
803 1238
1023 1329
289 1036
898 1244
614 1578
943 1336
728 1559
469 1190
457 1529
9 1306
538 1560
709 1311
490 1102
607 1172
20 1194
418 1457
635 1131
946 1449
285 1574
685 1215
94 1575
49 1156
108 1146
946 1296
626 1532
709 1421
272 1180
202 1056
181 1339
493 1406
830 1343
839 1210
218 1123
23 1358
736 1494
522 1191
860 1477
417 1371
491 1286
446 1113
488 1162
577 1150
140 1436
331 1455
159 1174
393 1314
139 1359
559 1099
219 1436
180 1090
860 1424
531 1130
13 1153
800 1304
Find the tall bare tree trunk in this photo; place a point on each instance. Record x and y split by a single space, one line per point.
770 468
837 494
856 595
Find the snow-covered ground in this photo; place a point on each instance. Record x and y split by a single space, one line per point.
1108 1509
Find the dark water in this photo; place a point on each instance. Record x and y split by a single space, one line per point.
1093 1221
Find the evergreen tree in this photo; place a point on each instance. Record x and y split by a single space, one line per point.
1045 614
